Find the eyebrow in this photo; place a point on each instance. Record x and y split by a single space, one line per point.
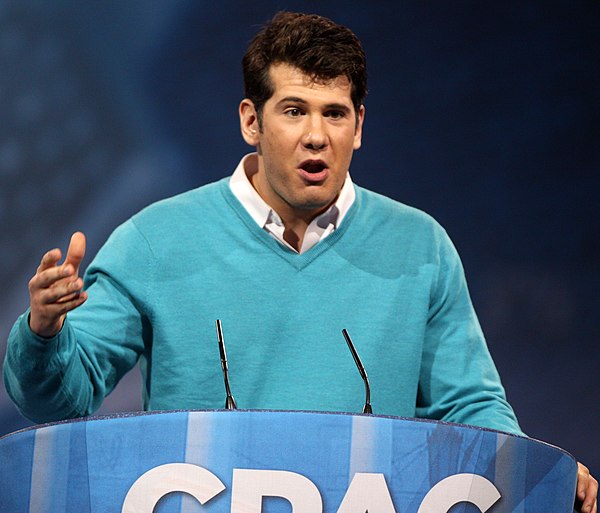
295 99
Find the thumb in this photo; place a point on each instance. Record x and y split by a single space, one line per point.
76 250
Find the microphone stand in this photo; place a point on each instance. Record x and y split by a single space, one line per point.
229 401
361 370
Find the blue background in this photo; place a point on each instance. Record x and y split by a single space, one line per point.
484 115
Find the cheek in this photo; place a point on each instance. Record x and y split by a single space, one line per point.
276 146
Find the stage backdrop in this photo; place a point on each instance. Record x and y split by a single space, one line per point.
484 115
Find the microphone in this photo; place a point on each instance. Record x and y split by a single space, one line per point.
361 370
230 401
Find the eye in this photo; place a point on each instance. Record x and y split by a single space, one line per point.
335 114
293 112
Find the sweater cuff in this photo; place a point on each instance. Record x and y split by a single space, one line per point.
36 342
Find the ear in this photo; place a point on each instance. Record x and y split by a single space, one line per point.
358 129
249 122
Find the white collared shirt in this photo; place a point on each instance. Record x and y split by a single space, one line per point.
319 228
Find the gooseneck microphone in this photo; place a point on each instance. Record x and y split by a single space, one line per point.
361 370
229 401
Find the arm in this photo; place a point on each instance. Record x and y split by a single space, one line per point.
69 373
459 381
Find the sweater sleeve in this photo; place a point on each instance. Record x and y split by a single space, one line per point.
459 381
70 374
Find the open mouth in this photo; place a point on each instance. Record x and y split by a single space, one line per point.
313 167
313 171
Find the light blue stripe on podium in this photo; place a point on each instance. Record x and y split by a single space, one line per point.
49 474
510 473
199 446
371 446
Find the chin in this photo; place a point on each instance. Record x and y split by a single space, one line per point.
315 203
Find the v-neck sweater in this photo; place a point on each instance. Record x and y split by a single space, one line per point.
389 275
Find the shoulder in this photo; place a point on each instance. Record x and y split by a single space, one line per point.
171 221
406 234
395 217
179 214
187 203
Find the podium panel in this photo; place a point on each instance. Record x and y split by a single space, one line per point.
276 462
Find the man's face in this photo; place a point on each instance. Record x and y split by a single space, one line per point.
309 132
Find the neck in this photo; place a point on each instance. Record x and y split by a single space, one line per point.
294 232
294 220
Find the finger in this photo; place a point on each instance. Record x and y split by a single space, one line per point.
590 504
587 489
76 250
583 475
56 310
50 277
50 259
60 293
47 319
74 290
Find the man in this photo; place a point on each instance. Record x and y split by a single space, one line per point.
287 253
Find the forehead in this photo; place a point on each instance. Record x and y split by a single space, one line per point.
287 79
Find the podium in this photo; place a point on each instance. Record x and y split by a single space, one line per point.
275 462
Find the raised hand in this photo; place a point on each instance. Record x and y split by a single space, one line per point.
56 289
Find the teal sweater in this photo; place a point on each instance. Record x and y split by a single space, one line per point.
389 274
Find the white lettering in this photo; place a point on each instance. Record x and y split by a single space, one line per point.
150 487
250 486
460 488
367 492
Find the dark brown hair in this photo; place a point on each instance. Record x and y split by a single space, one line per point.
317 46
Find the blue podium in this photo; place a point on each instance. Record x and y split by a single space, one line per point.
274 462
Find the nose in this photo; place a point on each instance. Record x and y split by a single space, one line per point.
315 134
